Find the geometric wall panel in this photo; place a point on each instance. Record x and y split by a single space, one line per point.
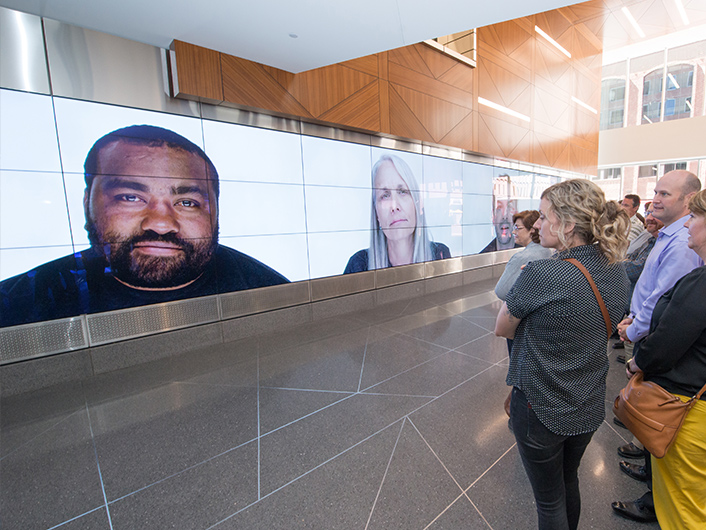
420 93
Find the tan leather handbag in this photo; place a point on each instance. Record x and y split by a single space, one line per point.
651 413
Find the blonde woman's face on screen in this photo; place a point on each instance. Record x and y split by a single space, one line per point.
394 204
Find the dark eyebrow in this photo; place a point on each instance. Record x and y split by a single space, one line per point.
185 190
114 183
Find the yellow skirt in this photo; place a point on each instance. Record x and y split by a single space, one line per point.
679 479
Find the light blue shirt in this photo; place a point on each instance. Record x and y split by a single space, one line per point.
669 260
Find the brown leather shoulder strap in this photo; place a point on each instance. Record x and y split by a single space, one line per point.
604 309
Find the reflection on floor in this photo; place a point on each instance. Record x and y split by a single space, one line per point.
387 419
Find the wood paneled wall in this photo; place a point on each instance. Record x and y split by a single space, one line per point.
419 93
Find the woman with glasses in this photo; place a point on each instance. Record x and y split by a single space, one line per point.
525 236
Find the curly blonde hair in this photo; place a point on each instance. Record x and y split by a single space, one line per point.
596 221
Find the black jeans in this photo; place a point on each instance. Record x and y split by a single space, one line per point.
551 462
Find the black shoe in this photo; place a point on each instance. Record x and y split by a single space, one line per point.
630 451
619 345
619 423
620 358
635 471
635 510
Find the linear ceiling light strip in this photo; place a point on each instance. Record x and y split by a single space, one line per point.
553 42
495 106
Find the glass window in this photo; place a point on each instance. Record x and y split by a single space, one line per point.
609 173
616 117
671 167
651 112
647 171
612 103
617 93
652 97
678 105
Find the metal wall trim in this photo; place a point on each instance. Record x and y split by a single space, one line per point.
21 343
93 66
124 324
250 118
433 269
335 133
242 303
398 275
398 144
335 286
441 151
23 61
477 261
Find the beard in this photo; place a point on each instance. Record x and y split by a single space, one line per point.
503 231
153 272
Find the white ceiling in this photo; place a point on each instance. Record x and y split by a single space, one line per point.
327 31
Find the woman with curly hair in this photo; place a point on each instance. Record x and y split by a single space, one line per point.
558 364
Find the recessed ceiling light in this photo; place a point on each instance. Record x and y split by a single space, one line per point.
488 103
553 42
682 12
584 105
632 21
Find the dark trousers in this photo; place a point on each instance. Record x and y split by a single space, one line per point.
551 462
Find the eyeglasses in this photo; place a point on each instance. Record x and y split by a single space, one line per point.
518 228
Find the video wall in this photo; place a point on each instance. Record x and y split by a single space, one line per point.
105 207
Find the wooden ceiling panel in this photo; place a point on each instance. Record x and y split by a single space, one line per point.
551 110
460 76
428 85
409 58
508 36
500 137
500 84
321 89
461 135
587 89
550 151
436 115
361 110
403 122
583 160
584 11
438 63
523 149
283 78
557 27
553 66
585 130
247 83
367 64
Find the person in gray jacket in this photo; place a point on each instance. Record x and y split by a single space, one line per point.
526 236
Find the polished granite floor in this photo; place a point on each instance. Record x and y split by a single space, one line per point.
385 419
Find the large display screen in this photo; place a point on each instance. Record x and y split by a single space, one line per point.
106 207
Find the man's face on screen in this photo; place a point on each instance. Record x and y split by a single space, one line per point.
502 219
152 213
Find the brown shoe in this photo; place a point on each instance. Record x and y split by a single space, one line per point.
630 451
